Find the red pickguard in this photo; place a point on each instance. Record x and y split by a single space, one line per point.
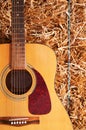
39 100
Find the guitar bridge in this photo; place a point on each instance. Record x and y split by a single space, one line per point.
19 121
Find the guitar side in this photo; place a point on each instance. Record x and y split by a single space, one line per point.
43 59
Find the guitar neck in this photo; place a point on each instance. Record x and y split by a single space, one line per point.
18 35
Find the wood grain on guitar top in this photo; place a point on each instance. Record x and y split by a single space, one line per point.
42 59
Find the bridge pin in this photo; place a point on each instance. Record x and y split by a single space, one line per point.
25 122
11 123
19 122
14 122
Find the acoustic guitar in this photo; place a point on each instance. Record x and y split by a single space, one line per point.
28 100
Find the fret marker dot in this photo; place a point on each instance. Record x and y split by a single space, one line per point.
25 122
17 2
19 122
17 14
11 123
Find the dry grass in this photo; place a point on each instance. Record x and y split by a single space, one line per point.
46 23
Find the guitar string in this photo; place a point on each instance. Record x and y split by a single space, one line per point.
19 59
69 52
18 47
16 75
21 70
12 56
15 49
13 74
23 48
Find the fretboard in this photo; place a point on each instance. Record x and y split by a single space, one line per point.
18 35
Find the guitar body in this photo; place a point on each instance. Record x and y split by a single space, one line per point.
50 115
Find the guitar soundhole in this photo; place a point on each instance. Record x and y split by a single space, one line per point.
18 81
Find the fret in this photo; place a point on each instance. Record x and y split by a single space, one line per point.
17 38
19 58
18 35
18 17
19 63
18 55
18 20
17 6
19 48
17 23
18 30
18 26
18 44
18 41
14 42
22 41
19 51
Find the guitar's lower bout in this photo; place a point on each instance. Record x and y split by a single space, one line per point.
40 100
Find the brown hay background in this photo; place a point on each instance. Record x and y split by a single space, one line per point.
46 23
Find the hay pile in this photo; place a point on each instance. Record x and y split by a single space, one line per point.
46 23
